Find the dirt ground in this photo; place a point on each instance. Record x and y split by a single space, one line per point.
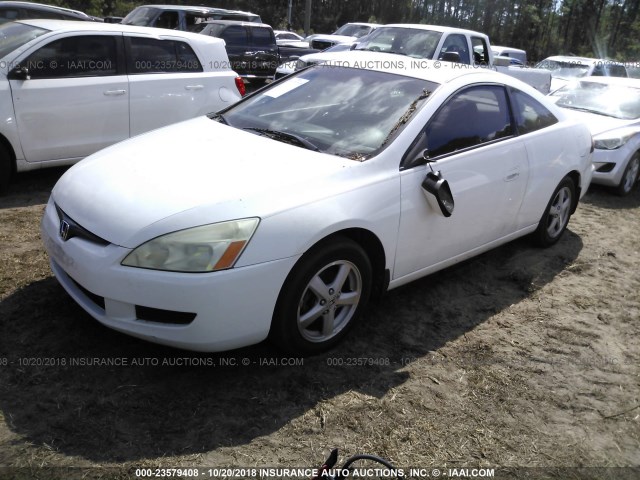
518 358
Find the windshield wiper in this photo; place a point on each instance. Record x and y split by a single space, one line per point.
587 110
407 115
218 117
285 137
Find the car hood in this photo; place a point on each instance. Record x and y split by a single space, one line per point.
598 124
335 38
188 174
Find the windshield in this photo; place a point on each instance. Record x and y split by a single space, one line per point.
350 30
14 35
565 69
413 42
611 100
141 16
338 110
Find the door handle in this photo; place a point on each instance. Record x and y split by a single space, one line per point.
512 176
113 93
194 87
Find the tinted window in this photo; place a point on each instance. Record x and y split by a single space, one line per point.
480 50
474 116
168 20
14 35
456 43
8 14
235 35
262 37
80 56
530 114
149 55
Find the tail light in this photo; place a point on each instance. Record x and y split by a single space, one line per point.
240 86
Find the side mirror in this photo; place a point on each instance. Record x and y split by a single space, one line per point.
438 192
19 73
451 57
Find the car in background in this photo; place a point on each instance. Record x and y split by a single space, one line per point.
10 11
284 37
304 61
520 56
282 215
348 33
610 107
566 68
181 17
251 47
73 88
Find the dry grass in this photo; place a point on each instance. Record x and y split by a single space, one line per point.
520 357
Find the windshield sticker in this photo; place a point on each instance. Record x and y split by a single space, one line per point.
285 87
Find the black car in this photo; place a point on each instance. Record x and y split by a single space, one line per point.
10 11
251 47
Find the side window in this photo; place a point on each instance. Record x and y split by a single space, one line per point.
235 35
457 44
9 15
168 19
80 56
480 51
530 114
474 116
262 37
149 55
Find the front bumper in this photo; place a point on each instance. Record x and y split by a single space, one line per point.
610 164
212 311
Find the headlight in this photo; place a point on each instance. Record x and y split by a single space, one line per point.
199 249
613 140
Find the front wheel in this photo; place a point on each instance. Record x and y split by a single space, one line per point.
322 298
629 176
556 216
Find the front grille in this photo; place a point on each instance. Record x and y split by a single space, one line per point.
164 316
321 44
69 228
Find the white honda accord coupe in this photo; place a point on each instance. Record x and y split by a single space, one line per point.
281 216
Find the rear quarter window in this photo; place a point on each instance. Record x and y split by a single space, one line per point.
149 55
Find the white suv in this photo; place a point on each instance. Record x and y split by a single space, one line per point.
69 89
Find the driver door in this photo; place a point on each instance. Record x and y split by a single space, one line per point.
471 141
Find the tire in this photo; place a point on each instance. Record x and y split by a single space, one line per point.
629 177
556 215
5 170
322 298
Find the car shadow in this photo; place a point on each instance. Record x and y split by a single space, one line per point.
31 188
603 197
72 385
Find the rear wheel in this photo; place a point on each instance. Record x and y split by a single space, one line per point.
556 216
322 298
5 169
629 176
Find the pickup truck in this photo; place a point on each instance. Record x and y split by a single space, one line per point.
439 43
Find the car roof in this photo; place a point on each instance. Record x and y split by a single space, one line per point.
361 23
437 28
79 26
431 70
195 8
235 22
42 6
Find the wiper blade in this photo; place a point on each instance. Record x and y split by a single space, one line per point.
286 137
587 110
218 117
